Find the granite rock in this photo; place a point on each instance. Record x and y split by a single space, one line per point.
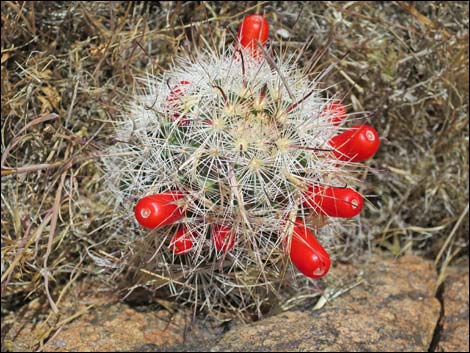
454 332
394 310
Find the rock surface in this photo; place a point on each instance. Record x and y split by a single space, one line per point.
455 325
117 327
395 310
101 324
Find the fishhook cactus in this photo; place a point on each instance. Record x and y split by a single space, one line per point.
231 163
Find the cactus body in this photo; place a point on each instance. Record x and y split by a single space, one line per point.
243 138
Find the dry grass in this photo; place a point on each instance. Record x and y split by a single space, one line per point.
66 67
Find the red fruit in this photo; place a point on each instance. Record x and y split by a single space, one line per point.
178 91
253 28
223 237
306 252
337 112
333 201
173 101
357 144
159 210
182 241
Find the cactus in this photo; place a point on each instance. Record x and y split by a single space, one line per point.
244 137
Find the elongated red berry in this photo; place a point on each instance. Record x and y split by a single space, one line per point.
223 237
337 112
254 28
334 201
159 210
356 144
306 253
173 102
178 91
182 241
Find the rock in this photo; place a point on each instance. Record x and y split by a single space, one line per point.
22 330
392 309
395 310
117 327
454 333
107 326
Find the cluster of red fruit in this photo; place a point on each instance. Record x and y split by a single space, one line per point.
356 144
160 210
